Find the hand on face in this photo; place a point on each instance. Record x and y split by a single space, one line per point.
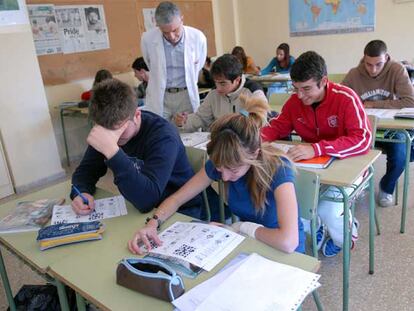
301 152
104 140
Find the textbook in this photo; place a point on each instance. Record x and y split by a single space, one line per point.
405 113
29 216
316 162
195 246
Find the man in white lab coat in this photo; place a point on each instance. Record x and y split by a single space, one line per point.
174 54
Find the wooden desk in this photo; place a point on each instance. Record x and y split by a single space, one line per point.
89 268
342 174
402 126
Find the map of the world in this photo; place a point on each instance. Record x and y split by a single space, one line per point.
318 17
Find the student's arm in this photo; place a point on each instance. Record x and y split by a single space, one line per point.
268 69
280 126
286 237
143 182
357 133
203 117
193 187
403 89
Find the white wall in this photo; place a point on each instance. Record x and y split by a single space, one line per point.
264 24
25 123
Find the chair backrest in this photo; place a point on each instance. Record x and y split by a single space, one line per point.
373 120
307 193
336 77
196 157
277 100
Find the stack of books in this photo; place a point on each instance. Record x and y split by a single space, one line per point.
62 234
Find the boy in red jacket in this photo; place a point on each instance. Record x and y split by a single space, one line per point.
332 119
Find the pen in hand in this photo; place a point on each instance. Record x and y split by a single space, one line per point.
85 200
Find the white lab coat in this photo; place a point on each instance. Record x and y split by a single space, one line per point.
195 52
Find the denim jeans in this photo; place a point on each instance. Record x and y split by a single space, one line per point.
396 153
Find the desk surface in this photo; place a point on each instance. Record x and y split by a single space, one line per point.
90 267
275 77
395 124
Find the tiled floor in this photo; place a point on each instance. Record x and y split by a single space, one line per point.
390 288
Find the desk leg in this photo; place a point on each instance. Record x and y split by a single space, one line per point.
6 284
64 136
80 302
63 298
346 250
406 179
372 219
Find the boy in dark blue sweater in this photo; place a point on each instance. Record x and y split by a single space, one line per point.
144 152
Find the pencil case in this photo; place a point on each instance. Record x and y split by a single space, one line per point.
151 277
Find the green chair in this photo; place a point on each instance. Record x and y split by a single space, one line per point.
197 158
277 100
307 193
336 77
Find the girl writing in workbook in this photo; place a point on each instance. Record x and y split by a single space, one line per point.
260 184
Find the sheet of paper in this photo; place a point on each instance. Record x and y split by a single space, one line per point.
382 113
193 298
200 244
104 208
282 287
195 139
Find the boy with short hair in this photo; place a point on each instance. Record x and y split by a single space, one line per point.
141 72
384 83
144 152
227 73
331 118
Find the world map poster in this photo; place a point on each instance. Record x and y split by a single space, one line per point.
320 17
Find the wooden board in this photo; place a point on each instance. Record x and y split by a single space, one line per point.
125 23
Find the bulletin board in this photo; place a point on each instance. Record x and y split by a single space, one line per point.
125 24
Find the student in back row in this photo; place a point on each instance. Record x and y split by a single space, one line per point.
227 73
141 72
332 119
260 184
247 62
143 150
384 83
101 75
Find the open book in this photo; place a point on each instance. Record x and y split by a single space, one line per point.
316 162
195 246
29 216
405 113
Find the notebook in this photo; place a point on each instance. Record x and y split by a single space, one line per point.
405 113
316 162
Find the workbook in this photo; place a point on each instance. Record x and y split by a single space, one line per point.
195 245
316 162
104 208
29 216
197 139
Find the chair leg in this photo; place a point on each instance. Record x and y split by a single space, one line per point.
317 300
377 224
396 193
207 205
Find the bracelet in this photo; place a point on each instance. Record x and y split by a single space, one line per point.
155 217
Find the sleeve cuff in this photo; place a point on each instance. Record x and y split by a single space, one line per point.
317 150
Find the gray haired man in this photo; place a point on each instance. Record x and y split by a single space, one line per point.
174 54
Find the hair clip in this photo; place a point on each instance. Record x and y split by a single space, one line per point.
244 112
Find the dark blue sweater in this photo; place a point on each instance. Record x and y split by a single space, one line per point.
147 169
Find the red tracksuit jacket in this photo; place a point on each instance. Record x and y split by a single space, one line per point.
338 127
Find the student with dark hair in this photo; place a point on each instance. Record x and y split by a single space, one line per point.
204 78
260 184
247 62
381 82
282 62
331 119
141 72
101 75
225 98
144 152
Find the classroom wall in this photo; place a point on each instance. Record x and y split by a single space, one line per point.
25 123
264 24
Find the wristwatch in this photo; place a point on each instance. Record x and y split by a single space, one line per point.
155 217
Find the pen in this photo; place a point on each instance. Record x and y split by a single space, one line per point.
85 200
